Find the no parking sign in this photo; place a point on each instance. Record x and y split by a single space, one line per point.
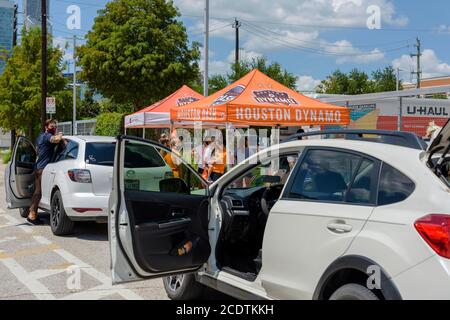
50 104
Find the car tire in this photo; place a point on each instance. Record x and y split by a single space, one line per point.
183 287
24 212
353 291
60 223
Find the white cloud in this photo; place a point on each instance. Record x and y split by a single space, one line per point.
307 83
431 65
275 25
244 55
317 12
443 28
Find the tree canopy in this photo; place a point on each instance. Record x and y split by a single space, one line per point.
358 82
240 69
138 52
20 85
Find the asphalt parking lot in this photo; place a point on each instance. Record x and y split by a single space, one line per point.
35 264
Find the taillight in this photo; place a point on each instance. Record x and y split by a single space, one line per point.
80 175
435 230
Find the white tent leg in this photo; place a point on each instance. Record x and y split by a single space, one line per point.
143 133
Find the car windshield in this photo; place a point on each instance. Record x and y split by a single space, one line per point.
100 153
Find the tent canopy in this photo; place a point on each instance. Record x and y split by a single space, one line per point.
258 100
158 114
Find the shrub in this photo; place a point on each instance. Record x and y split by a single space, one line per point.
109 124
6 156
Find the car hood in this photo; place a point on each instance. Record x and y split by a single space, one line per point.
441 142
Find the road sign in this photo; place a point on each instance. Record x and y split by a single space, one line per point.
50 105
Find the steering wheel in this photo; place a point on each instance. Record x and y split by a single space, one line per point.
270 197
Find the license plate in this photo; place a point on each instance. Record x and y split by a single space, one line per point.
131 184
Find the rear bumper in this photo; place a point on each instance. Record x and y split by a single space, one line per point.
86 201
429 280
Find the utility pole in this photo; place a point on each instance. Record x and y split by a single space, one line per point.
206 50
13 131
418 55
397 80
237 25
43 62
74 117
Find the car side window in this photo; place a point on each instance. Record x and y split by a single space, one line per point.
325 175
69 151
72 150
150 168
361 191
394 186
25 152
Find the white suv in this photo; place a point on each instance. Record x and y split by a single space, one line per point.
335 219
75 185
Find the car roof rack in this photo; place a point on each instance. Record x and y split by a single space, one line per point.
398 138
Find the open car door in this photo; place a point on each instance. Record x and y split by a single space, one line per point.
159 208
19 175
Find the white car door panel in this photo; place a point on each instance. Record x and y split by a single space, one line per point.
19 175
301 240
158 229
48 176
326 203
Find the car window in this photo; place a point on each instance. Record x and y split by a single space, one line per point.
360 190
100 153
274 172
25 152
150 168
325 175
394 186
64 152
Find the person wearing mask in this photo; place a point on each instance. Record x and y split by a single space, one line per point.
45 144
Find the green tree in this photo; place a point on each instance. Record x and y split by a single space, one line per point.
138 52
88 108
109 124
358 82
240 69
20 91
385 80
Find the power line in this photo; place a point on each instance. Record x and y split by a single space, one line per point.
331 44
260 34
323 26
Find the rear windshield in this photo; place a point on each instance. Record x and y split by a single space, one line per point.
100 153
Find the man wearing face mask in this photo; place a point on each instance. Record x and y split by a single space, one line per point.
45 144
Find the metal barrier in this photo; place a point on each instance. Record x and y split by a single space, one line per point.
84 127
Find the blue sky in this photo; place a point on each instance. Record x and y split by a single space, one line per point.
310 38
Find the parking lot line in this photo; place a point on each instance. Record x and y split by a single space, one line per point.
126 293
36 288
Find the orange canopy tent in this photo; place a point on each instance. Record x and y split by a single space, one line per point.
158 114
258 100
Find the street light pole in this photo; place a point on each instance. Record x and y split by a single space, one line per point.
43 62
206 50
74 117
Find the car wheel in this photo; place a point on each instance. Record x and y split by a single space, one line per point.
183 287
353 291
60 223
24 212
